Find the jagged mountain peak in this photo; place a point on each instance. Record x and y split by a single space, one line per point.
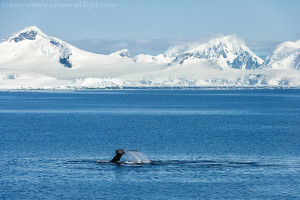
32 39
28 33
32 28
229 40
227 51
33 33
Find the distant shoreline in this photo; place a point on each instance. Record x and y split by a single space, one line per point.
157 88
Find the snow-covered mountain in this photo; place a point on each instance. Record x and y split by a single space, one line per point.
30 45
29 59
285 56
226 52
32 42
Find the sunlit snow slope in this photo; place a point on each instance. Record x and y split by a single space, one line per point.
285 56
29 59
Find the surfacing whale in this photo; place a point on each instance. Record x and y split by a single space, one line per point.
119 154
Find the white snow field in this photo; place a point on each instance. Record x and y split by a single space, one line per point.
29 59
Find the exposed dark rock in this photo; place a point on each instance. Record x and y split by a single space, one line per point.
30 35
66 62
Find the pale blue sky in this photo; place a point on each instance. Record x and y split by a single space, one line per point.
160 20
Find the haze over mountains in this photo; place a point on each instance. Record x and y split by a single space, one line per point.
29 59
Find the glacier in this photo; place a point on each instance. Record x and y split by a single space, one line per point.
29 59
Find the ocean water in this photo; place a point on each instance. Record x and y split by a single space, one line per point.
201 144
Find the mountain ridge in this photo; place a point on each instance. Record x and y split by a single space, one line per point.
223 61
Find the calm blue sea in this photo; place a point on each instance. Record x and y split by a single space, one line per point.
203 144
